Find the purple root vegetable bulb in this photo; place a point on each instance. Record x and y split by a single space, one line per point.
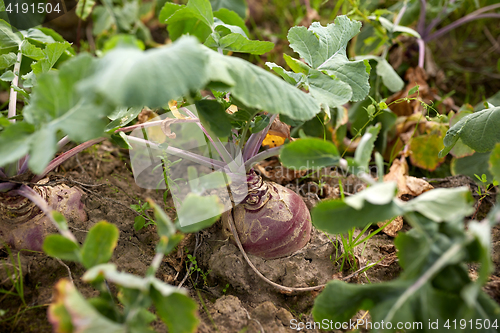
24 226
272 221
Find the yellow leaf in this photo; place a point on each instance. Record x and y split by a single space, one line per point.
273 139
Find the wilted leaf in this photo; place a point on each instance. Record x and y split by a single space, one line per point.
407 185
424 151
70 312
392 228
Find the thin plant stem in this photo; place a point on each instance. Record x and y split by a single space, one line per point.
421 18
15 82
421 52
262 156
437 20
459 22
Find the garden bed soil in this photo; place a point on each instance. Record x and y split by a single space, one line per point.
231 297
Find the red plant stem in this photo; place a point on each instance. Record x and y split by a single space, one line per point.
34 197
463 20
65 156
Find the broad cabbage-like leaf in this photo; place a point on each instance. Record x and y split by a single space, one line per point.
478 130
324 50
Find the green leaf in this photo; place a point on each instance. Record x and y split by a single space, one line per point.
378 194
214 117
443 204
329 92
56 106
164 226
390 78
296 65
31 51
202 10
61 247
9 40
122 116
495 162
99 244
324 49
413 90
395 28
238 6
139 222
290 77
129 77
340 301
231 17
363 152
177 311
238 43
123 40
476 164
8 76
478 130
7 60
199 212
259 89
305 154
52 53
84 8
336 216
14 142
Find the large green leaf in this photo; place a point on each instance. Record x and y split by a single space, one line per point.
443 204
324 48
214 117
61 247
330 77
478 130
495 162
476 164
259 89
99 244
57 106
129 77
14 142
309 153
177 311
238 6
238 43
363 153
9 41
7 60
199 212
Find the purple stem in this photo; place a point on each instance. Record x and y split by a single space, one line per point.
4 187
459 22
30 194
219 147
436 21
65 156
154 123
261 156
255 141
182 153
23 165
421 18
421 52
2 173
400 14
